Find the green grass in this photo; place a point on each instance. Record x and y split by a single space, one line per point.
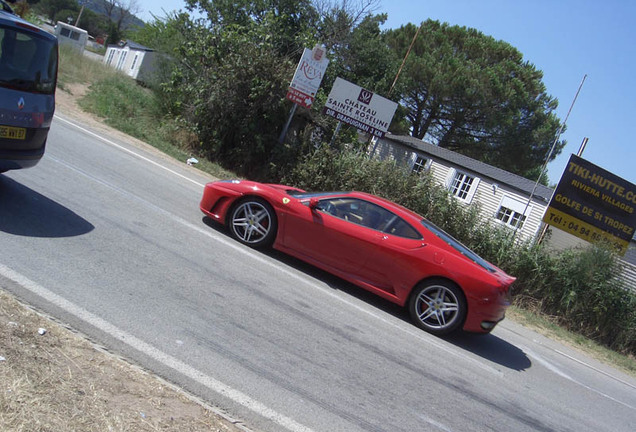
130 108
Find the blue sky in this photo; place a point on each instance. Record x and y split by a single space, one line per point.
566 39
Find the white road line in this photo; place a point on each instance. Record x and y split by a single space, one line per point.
154 353
595 369
99 137
581 362
559 372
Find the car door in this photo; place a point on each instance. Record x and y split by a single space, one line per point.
396 262
337 232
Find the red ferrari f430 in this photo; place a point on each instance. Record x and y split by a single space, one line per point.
371 242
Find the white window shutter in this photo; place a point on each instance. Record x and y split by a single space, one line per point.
473 189
450 178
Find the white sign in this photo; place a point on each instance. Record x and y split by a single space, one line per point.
360 108
309 73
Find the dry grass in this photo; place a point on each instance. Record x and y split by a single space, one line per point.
76 68
57 381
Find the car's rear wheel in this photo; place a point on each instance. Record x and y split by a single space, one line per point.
438 306
253 222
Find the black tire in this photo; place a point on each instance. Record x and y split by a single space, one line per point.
438 306
252 221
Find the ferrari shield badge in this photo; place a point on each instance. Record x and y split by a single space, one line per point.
285 200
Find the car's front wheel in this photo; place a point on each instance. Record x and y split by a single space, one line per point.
253 222
438 306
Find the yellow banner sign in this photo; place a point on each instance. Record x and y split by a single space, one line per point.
593 204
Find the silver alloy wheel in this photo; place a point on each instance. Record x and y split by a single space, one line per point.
437 307
252 223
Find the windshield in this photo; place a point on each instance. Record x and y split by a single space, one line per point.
457 245
28 61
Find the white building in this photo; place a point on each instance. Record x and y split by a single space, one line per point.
135 60
504 197
71 36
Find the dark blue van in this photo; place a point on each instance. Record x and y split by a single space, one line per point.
28 76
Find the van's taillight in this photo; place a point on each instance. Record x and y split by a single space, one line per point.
28 27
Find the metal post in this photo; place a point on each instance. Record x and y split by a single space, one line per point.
582 148
79 16
281 139
335 134
547 159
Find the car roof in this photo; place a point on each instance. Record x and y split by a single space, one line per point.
12 20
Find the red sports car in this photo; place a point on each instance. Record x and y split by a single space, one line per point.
371 242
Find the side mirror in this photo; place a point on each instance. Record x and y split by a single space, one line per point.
313 203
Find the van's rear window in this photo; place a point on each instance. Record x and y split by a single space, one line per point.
28 62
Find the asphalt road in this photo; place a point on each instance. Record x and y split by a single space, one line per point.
108 237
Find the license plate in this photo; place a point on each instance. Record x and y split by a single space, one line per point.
12 132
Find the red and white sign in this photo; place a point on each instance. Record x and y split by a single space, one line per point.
360 108
308 76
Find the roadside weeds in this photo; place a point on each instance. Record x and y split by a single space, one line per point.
55 380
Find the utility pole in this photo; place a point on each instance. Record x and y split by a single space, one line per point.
547 159
79 16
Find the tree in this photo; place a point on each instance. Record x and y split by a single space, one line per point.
120 12
288 21
235 64
166 35
50 8
470 93
231 74
95 24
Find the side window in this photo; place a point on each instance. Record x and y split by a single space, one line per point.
369 215
356 211
402 229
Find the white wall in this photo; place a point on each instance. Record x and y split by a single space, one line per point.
140 65
71 35
489 194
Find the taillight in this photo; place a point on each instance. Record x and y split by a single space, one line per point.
28 27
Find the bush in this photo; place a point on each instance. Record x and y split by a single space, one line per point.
326 169
579 289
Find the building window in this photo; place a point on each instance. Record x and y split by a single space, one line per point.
511 212
462 186
510 217
420 164
65 32
134 62
122 59
75 35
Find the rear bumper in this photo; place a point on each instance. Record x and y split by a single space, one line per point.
484 315
23 153
18 159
